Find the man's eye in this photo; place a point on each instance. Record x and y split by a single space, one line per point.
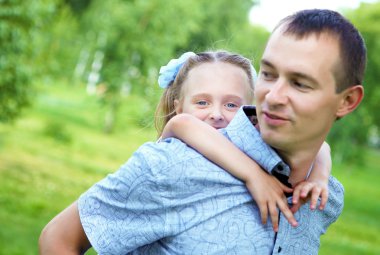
300 85
267 75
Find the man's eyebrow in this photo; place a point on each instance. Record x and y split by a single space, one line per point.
305 76
266 63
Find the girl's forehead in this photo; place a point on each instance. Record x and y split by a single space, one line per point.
217 78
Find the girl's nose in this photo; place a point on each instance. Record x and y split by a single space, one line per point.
216 114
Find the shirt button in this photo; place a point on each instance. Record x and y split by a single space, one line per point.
279 249
280 168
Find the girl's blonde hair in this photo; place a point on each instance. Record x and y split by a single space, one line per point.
166 108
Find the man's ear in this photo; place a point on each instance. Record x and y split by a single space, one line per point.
351 98
177 106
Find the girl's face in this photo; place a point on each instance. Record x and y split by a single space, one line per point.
213 92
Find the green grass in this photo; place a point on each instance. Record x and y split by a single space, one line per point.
357 229
54 153
57 150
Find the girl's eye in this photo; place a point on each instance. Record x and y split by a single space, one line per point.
203 103
231 105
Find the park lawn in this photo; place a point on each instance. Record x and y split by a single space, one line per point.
57 149
55 152
357 229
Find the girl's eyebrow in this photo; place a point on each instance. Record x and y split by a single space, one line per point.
201 95
234 97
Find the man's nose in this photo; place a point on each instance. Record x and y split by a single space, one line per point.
278 93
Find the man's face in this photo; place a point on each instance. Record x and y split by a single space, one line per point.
295 92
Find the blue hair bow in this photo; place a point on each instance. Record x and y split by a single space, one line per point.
169 72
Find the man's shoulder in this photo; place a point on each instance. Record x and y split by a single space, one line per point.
336 186
164 146
335 203
166 151
336 191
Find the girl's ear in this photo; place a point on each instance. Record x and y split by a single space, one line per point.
177 106
351 98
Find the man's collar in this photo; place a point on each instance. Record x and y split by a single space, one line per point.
242 128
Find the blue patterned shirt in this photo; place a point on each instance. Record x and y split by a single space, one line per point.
169 199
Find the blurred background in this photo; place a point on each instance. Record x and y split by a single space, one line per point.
78 90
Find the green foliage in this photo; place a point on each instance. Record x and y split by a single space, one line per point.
352 132
56 43
141 36
20 22
78 6
76 40
58 131
367 19
14 73
136 37
349 135
219 24
249 41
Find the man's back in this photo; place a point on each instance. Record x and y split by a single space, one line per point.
168 199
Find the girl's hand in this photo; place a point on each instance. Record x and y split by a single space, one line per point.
310 190
268 192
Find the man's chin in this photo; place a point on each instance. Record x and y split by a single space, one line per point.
271 138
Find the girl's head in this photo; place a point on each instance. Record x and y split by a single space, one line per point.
209 85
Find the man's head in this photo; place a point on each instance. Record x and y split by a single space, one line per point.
311 74
350 69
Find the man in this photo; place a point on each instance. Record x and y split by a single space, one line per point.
311 75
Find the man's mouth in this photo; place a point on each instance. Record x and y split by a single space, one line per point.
274 119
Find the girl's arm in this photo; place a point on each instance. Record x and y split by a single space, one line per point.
317 184
267 191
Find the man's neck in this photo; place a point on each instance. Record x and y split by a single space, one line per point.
300 164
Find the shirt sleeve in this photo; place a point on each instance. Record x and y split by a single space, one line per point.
124 210
305 238
246 137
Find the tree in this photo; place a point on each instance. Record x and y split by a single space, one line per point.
367 20
140 36
20 21
352 132
14 74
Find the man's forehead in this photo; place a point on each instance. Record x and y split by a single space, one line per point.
282 31
291 46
